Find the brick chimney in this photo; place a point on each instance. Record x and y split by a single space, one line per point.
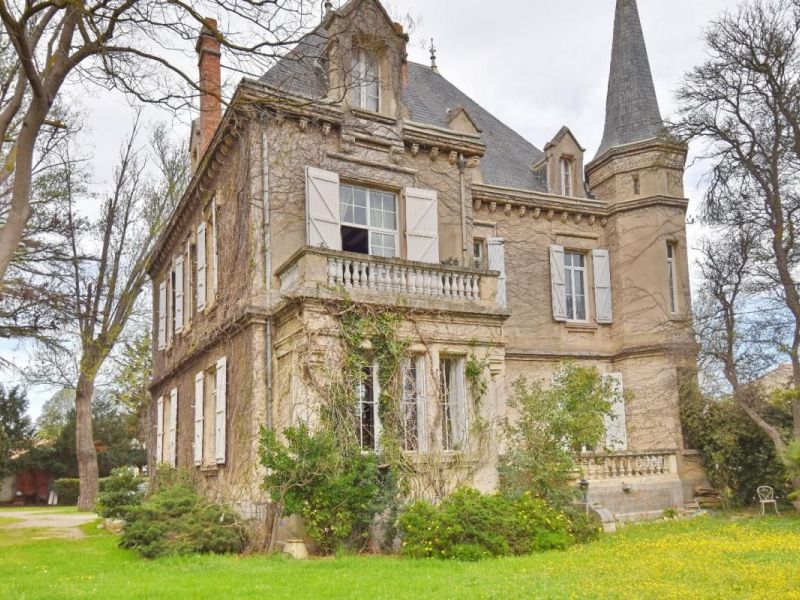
208 55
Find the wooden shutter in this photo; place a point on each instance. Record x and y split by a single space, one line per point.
159 431
422 225
602 286
214 248
497 262
615 423
221 411
188 268
173 428
179 262
162 315
558 283
322 209
460 417
201 266
199 403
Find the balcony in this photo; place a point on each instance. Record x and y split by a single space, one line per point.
326 273
629 465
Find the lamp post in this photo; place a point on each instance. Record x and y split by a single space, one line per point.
584 485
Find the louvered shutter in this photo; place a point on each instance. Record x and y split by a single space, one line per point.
198 418
497 262
188 268
162 315
422 225
221 411
214 248
602 286
322 209
201 266
173 428
159 431
179 274
558 283
615 423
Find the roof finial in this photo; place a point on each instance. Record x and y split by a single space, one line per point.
328 6
433 57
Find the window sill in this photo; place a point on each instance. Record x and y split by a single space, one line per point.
581 326
375 116
208 469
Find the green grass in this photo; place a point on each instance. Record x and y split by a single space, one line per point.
701 558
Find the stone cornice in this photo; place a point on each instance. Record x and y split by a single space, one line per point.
672 349
658 144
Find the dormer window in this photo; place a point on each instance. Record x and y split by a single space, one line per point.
566 177
366 79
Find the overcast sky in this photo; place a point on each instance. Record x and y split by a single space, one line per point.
535 64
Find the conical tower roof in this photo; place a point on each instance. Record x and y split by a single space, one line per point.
632 113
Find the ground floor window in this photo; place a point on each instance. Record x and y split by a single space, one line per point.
413 405
367 409
452 405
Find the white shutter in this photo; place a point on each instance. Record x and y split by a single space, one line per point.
558 283
159 431
602 286
188 268
616 425
221 411
322 209
497 262
198 418
201 266
173 428
214 248
422 225
179 262
376 411
422 405
460 430
162 315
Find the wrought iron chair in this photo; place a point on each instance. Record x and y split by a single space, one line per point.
766 495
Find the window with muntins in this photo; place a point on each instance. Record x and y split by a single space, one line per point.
671 278
413 405
367 410
366 77
479 253
575 280
453 408
369 221
566 177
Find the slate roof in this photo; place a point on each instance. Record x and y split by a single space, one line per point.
632 113
428 96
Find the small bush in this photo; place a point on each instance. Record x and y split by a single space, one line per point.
68 490
471 526
177 520
120 493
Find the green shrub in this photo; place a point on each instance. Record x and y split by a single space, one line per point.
68 490
337 491
470 526
582 527
120 492
177 520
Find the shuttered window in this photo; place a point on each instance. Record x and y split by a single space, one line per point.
602 286
322 209
453 404
414 405
367 409
159 431
172 443
201 266
162 315
497 262
199 407
179 302
422 225
214 249
558 283
221 408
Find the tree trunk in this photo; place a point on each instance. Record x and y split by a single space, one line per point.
13 229
87 454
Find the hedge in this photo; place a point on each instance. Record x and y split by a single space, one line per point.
68 490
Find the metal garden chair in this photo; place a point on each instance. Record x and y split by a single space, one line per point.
766 495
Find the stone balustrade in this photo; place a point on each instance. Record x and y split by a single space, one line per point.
369 278
627 465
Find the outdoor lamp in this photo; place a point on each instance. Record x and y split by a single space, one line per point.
584 485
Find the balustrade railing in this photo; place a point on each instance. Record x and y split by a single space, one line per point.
370 273
627 465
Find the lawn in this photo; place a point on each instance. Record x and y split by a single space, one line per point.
708 557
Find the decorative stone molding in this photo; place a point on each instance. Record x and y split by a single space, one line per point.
326 129
453 158
414 149
434 153
347 143
303 123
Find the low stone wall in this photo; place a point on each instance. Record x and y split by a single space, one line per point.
639 499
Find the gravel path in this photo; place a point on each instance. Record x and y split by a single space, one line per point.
56 524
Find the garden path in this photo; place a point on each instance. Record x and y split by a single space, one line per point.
49 523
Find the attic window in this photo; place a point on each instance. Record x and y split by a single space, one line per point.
366 79
566 177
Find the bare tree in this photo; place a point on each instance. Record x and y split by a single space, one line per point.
131 45
108 276
743 104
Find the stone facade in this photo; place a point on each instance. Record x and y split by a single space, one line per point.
237 275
